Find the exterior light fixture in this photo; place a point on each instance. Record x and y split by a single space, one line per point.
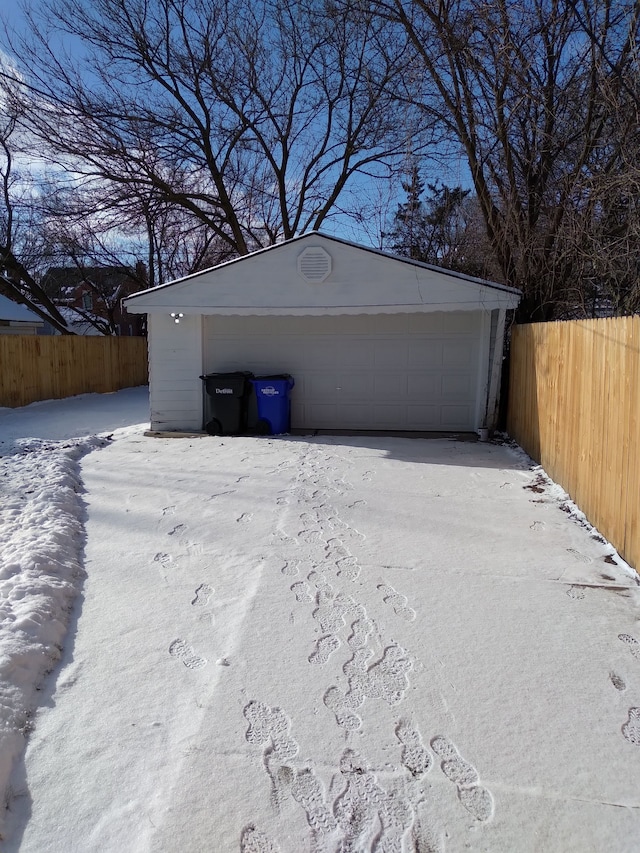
177 316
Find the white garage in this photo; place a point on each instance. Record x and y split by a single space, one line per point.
374 342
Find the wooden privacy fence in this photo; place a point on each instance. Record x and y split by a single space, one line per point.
34 367
574 406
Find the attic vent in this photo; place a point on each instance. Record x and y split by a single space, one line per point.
314 264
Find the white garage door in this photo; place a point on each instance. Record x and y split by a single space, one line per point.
380 371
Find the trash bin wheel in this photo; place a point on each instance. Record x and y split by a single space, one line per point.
263 427
214 427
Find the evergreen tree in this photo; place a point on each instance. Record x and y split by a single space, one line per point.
432 230
409 224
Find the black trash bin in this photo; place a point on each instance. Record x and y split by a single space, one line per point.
225 402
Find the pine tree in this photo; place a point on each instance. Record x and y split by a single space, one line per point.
430 230
409 223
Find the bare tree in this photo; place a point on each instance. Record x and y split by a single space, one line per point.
21 243
253 119
524 89
118 225
53 218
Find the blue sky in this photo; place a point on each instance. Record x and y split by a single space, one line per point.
383 197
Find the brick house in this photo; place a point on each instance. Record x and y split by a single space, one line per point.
90 298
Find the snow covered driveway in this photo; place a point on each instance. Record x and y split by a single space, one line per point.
323 644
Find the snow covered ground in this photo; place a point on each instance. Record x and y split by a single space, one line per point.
305 644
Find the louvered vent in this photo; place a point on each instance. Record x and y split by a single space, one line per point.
314 264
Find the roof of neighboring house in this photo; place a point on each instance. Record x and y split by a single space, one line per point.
77 323
113 281
70 276
15 313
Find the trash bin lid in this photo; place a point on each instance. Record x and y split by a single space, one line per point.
233 384
280 377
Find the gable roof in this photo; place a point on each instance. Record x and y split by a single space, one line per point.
13 312
320 274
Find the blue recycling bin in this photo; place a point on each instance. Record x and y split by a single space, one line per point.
273 403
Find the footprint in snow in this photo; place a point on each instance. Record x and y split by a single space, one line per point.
348 568
476 799
581 558
202 596
631 729
310 536
631 643
617 681
575 592
180 650
398 602
324 649
255 841
415 757
302 592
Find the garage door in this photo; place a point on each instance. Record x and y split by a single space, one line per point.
390 372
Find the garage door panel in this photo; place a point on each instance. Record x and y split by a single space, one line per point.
411 372
424 353
385 415
423 417
346 324
355 415
390 353
423 385
454 417
321 386
386 324
361 353
456 385
356 386
461 322
297 411
319 416
457 353
391 386
316 353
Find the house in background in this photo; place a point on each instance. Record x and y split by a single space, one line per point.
373 341
17 319
90 298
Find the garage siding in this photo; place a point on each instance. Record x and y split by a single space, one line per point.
175 365
377 371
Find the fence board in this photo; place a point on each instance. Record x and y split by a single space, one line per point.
574 406
35 367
